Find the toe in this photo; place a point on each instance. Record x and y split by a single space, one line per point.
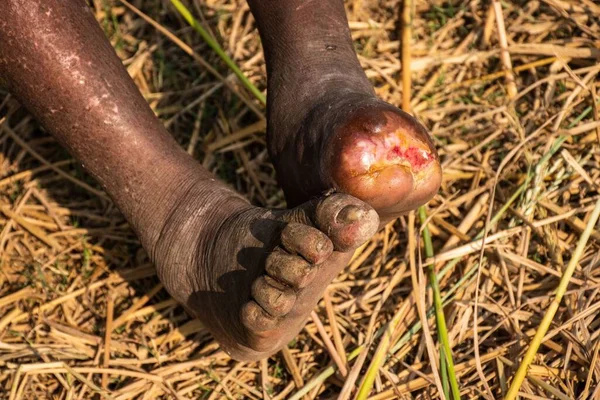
256 319
347 221
306 241
276 299
290 269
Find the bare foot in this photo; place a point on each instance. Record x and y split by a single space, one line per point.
366 148
253 275
326 127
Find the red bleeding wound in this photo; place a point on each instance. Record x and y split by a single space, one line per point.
418 158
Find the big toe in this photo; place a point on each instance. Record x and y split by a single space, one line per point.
346 220
384 157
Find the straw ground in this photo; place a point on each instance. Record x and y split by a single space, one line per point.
509 90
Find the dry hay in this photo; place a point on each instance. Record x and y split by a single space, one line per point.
81 308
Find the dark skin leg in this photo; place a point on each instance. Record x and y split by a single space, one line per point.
250 274
326 128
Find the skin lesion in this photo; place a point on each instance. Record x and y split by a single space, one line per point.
375 169
374 155
417 158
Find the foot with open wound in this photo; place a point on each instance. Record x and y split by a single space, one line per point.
364 147
326 127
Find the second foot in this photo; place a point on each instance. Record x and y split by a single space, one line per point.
252 275
326 127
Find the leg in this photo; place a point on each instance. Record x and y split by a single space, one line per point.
326 127
248 273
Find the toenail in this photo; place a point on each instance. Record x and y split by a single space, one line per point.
275 283
319 245
349 214
289 270
256 319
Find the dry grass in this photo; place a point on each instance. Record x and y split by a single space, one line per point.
82 313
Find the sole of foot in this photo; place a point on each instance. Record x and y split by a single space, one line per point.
253 275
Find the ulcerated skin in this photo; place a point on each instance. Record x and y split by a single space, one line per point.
321 106
251 275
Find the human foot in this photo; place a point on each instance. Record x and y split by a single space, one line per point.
364 147
253 275
327 130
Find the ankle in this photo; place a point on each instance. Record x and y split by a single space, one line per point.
303 138
304 118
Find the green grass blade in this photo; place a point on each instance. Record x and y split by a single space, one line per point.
378 360
553 308
446 352
187 15
381 354
444 372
